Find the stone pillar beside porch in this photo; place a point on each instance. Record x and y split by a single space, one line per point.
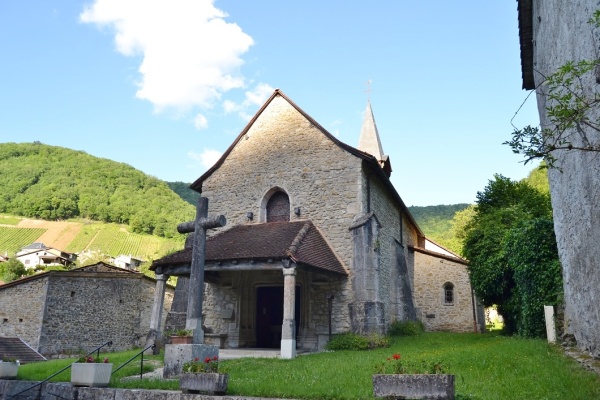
288 329
155 333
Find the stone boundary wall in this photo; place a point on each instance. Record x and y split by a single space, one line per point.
53 391
83 312
74 312
22 310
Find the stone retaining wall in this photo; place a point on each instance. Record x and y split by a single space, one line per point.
53 391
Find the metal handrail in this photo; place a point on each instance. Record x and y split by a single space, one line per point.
109 343
132 358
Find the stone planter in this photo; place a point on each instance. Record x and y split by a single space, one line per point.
181 339
414 386
91 374
205 383
8 370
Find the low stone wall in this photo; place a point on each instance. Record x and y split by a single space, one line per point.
54 391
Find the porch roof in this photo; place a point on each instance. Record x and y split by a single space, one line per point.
299 241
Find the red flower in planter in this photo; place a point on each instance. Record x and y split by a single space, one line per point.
196 366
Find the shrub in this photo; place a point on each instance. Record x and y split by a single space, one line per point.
353 341
406 328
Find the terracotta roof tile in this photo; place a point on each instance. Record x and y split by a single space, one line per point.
299 240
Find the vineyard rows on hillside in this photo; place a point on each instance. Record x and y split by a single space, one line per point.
108 239
13 239
114 240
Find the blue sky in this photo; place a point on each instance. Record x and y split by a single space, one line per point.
166 86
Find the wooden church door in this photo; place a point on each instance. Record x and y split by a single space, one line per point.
269 315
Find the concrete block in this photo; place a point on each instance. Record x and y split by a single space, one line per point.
178 354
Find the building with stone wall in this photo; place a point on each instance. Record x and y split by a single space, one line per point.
443 294
552 33
315 216
72 312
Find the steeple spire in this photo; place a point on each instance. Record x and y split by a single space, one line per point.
369 137
369 141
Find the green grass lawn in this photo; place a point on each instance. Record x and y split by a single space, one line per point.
486 367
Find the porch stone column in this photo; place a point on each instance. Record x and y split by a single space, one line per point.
288 329
155 333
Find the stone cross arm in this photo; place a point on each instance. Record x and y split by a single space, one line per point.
206 223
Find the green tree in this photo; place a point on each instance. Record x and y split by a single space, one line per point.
533 257
538 178
11 270
458 228
497 228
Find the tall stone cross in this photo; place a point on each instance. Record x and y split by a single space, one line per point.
196 292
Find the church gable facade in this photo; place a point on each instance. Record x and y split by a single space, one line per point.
351 239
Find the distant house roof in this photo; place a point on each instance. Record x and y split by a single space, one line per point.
99 267
436 254
300 241
35 246
38 246
438 248
525 11
102 267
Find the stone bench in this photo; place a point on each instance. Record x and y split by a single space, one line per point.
215 339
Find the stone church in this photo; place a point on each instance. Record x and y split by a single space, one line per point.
306 209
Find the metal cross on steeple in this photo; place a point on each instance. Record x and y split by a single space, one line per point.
368 91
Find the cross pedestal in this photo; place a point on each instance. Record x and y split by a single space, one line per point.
177 355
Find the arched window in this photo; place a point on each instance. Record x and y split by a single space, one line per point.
278 207
448 294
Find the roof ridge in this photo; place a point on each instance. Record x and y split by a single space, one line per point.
291 251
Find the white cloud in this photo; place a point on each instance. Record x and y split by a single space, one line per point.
183 65
207 158
255 97
259 95
335 130
200 122
229 106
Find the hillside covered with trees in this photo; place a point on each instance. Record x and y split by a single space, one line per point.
55 183
184 191
436 223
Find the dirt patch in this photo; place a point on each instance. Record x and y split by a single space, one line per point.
58 233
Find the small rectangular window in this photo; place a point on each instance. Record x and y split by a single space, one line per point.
448 294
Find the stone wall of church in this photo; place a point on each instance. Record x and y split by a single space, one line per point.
396 230
22 309
431 274
284 150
